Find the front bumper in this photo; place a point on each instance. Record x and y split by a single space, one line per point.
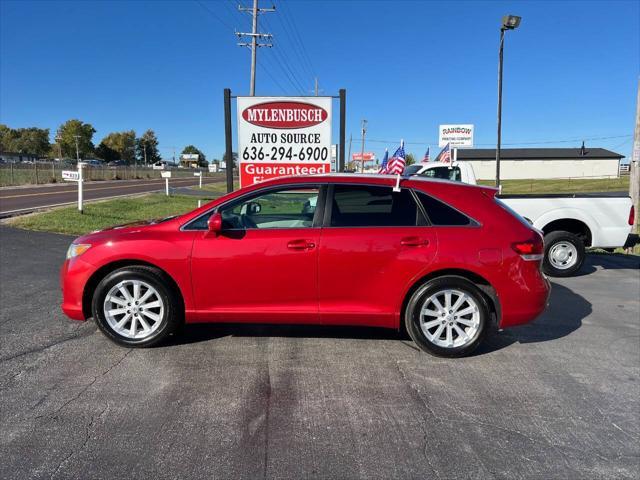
74 275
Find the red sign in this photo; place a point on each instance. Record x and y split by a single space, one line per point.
259 172
284 114
367 156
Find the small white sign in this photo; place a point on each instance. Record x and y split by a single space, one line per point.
165 174
213 168
70 175
458 136
197 174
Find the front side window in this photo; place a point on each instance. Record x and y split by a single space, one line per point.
287 208
367 206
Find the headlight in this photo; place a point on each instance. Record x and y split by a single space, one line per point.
77 249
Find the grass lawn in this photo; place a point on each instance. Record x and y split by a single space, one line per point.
218 188
564 185
98 215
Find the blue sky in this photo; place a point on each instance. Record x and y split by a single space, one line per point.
571 69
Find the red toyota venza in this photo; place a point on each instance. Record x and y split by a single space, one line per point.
445 260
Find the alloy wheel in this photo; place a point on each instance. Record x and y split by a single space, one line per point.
133 309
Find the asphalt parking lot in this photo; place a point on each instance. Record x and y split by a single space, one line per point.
559 398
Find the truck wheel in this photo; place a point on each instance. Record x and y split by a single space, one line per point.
563 254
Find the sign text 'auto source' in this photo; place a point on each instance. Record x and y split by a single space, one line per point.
283 136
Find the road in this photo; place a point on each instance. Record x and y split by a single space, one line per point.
559 398
26 199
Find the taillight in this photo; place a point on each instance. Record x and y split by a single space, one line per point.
632 215
530 250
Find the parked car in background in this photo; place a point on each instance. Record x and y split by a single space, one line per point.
570 222
93 163
117 163
446 260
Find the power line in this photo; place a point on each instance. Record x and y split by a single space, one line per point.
287 15
546 142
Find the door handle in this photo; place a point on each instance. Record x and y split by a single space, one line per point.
414 242
300 245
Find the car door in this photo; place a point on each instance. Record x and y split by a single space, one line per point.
374 243
263 266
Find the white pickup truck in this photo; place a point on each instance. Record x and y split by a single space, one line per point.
570 222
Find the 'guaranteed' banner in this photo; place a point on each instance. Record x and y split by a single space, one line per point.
280 136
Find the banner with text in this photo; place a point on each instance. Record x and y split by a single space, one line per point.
280 136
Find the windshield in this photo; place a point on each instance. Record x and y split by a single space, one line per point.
412 169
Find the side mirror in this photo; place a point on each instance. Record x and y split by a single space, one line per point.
215 224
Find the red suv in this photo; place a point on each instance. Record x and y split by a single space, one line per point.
444 259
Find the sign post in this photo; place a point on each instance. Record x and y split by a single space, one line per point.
280 136
166 176
199 175
76 176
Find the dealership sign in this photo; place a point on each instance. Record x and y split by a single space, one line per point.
458 136
280 136
366 156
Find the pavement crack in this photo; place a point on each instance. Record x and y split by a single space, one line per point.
47 346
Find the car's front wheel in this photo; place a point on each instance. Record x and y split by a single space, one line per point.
447 316
134 307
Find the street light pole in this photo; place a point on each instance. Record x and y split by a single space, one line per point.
364 132
509 22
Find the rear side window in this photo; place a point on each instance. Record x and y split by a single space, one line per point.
367 206
440 213
444 173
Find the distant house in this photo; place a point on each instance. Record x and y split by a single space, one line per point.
14 157
528 163
190 160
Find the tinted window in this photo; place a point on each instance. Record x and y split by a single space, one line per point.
412 169
364 206
444 173
440 213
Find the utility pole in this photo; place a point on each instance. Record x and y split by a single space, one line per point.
254 35
350 141
59 140
634 181
316 86
77 150
144 148
364 132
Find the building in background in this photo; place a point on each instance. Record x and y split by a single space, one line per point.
531 163
190 160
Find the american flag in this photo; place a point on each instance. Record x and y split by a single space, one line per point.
426 158
385 161
398 161
445 155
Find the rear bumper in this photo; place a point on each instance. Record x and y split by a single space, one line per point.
74 275
524 301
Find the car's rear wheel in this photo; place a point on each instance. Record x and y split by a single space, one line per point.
564 254
134 307
447 316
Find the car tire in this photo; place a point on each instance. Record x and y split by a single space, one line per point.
564 254
434 326
135 307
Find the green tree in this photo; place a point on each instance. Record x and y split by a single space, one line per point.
67 133
147 148
410 159
34 141
106 153
7 139
190 149
124 143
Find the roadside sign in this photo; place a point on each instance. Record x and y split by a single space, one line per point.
165 174
71 175
280 136
458 136
366 156
196 174
213 168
